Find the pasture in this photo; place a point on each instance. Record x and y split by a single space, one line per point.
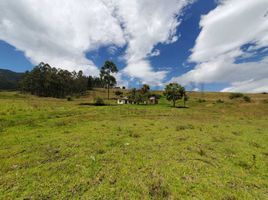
58 149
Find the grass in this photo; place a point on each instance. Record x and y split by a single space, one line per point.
59 149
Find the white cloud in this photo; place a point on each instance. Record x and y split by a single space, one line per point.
225 30
253 86
146 23
121 81
156 52
60 32
143 70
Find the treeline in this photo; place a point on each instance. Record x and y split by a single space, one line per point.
47 81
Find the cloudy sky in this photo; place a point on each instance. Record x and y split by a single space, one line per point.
221 45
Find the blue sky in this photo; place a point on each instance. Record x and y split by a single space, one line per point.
202 42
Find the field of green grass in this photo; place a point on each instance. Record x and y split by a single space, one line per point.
59 149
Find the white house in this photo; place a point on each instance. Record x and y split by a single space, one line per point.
153 100
123 100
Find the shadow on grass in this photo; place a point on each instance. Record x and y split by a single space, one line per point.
180 107
185 107
93 104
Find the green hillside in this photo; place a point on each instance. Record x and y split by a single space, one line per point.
9 80
58 149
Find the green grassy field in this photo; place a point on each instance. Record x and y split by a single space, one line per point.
59 149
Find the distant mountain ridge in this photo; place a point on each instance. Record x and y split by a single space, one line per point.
9 80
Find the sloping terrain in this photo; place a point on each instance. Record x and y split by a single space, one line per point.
9 80
59 149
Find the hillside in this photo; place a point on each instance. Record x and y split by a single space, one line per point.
58 149
9 80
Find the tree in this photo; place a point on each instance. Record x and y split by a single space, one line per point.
174 92
46 81
145 89
90 83
132 95
106 74
94 82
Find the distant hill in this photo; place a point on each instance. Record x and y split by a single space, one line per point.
9 80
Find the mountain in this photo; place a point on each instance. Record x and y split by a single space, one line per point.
9 80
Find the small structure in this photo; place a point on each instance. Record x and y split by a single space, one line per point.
123 100
153 100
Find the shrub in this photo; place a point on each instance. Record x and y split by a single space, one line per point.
201 100
247 99
118 93
236 95
69 98
265 101
99 101
219 101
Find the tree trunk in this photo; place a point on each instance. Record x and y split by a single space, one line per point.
174 103
108 91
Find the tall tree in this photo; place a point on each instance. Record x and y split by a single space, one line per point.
174 92
145 89
46 81
106 76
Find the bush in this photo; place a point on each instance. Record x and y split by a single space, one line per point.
118 93
99 101
265 101
236 95
69 98
201 100
219 101
247 99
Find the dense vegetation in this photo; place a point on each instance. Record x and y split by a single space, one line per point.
47 81
142 95
58 149
9 80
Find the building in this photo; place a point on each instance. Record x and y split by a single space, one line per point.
153 100
123 100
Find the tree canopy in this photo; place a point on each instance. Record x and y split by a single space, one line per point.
174 92
106 76
141 95
46 81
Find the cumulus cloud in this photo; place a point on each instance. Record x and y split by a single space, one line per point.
253 86
61 32
225 30
146 23
143 71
